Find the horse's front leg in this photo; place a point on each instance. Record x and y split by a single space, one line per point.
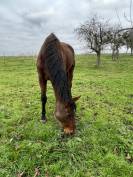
43 86
43 100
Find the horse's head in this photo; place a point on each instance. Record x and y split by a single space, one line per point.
65 113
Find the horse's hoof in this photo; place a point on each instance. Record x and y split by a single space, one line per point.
43 120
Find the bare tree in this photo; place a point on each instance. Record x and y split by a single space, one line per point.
120 37
116 41
96 34
130 31
131 40
128 39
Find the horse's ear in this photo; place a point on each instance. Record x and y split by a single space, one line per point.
76 98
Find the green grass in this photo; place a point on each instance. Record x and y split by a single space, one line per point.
103 143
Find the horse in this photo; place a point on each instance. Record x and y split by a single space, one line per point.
56 62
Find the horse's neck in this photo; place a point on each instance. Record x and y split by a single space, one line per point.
59 104
59 109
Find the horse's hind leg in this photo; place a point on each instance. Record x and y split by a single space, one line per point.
43 86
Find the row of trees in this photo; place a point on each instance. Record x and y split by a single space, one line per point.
99 34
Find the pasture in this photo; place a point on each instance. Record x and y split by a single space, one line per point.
103 143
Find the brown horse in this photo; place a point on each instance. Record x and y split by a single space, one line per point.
56 63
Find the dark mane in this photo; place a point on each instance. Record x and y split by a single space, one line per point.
54 65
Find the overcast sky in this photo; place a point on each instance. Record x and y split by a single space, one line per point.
24 24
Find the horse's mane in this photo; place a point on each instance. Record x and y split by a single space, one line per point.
54 64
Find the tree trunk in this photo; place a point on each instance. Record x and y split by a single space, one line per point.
131 51
117 53
98 59
113 54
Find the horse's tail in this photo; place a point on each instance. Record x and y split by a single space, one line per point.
54 66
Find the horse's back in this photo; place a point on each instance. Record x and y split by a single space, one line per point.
67 56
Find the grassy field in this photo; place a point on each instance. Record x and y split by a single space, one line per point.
103 143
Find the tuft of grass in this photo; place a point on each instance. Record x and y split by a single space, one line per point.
103 143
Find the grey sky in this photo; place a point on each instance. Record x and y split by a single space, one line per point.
24 24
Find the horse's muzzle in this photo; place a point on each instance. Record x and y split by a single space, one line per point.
69 131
